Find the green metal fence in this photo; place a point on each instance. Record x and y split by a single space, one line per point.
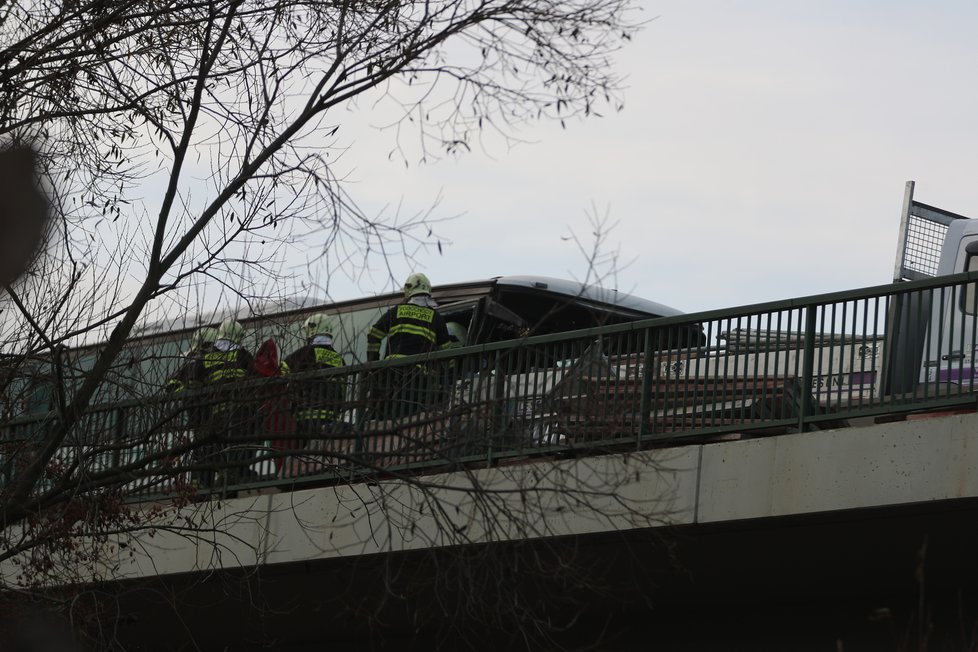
781 367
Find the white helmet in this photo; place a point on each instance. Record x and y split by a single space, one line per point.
231 331
416 284
318 324
203 337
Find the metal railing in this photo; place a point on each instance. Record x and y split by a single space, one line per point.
777 367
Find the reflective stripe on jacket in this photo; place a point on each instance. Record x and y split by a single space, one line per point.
221 369
225 366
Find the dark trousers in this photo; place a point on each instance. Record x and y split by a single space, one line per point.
400 392
227 443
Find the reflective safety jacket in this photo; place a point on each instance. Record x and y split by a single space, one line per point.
220 369
186 376
316 398
225 366
410 329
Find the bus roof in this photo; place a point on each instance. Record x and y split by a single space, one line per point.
595 293
612 301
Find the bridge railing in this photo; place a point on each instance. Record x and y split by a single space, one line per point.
778 367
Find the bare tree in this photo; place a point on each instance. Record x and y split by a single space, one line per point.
188 146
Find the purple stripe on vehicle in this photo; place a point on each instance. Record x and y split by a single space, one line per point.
955 375
862 378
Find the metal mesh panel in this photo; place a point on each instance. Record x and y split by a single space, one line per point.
922 252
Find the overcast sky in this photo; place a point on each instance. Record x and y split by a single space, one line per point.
762 154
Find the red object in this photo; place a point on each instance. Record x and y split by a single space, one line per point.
266 360
277 408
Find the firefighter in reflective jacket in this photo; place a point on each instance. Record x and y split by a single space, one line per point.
410 328
316 401
232 415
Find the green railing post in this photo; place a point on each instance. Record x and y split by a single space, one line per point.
496 412
807 369
360 393
120 431
645 399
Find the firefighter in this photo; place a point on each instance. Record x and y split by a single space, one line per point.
186 379
316 401
412 327
232 413
186 376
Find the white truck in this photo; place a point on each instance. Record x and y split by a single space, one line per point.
939 328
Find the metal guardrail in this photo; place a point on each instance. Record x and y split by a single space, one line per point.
777 367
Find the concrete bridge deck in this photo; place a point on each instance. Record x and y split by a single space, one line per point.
826 540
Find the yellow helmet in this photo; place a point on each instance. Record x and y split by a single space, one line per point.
318 324
202 338
231 331
416 284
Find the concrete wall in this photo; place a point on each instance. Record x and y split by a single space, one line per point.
880 465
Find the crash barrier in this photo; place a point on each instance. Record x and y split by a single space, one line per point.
778 367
